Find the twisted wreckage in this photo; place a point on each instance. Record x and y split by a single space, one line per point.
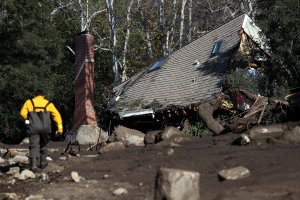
189 83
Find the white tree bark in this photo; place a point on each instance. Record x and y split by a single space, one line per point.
172 31
128 20
81 8
147 39
162 21
209 5
181 22
190 20
112 24
250 12
60 7
242 6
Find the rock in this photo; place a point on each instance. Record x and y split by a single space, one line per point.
114 146
129 136
269 131
177 184
296 130
48 158
169 132
75 176
13 152
44 177
179 138
17 152
53 167
106 176
8 196
293 135
25 141
243 139
12 181
234 173
13 170
62 158
19 159
2 161
152 137
35 197
172 142
170 151
2 151
26 174
91 156
120 191
89 134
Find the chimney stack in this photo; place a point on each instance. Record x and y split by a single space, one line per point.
84 113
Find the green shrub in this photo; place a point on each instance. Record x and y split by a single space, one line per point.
197 129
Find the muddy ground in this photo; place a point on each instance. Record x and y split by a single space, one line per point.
274 168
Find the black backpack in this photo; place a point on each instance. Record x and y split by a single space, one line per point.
39 122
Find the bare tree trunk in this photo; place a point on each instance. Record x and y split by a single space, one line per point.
167 42
242 6
190 20
112 24
81 8
148 37
172 32
162 26
209 5
82 14
250 12
181 22
128 19
149 45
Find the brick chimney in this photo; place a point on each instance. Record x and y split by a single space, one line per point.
84 113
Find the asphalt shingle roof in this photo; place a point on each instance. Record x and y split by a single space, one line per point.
179 80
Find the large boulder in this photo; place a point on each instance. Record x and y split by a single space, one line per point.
129 136
293 135
152 137
170 132
89 134
114 146
235 173
268 131
177 184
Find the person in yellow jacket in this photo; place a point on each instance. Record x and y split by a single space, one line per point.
38 142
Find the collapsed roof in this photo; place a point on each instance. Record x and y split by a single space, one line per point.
189 75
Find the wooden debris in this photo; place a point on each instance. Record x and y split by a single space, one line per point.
206 111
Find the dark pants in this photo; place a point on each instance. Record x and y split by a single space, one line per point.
38 147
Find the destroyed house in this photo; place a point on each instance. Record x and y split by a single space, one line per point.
175 85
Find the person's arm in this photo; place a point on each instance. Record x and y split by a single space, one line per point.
56 117
24 110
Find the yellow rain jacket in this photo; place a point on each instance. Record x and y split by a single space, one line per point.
40 101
